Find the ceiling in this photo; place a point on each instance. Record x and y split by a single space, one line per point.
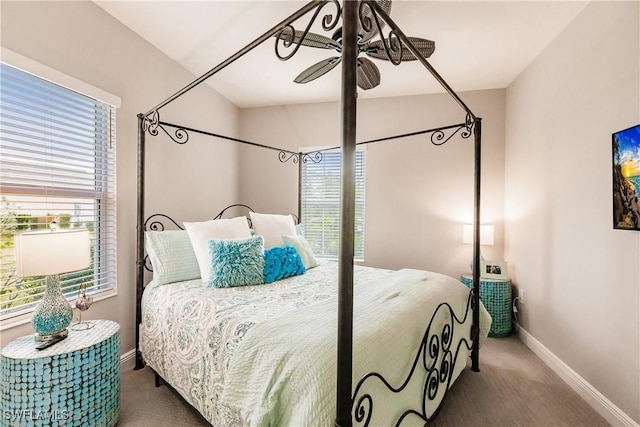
479 44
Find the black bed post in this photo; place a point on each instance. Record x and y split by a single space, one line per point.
475 352
347 214
300 159
140 241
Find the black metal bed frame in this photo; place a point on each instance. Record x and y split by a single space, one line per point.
438 359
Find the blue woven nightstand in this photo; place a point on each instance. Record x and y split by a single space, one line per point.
75 382
495 294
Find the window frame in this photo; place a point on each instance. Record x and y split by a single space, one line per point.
334 203
58 192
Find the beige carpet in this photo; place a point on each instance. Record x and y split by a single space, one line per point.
514 388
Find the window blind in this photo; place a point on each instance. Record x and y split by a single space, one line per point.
321 204
57 161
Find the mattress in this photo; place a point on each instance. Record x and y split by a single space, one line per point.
189 332
194 337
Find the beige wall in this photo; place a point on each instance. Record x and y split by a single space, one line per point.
580 277
81 40
418 195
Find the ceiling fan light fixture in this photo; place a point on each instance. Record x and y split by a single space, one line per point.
368 74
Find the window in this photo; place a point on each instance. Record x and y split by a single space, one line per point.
321 204
57 160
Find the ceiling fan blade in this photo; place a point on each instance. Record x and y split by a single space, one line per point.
317 70
313 40
425 47
366 36
368 74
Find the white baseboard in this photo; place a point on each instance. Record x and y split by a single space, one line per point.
128 360
593 397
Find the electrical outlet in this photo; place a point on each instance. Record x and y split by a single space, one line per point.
521 296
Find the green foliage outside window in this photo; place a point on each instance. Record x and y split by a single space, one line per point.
18 292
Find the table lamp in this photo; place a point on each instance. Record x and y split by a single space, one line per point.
51 253
486 237
486 234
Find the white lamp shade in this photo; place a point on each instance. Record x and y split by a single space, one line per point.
51 252
486 234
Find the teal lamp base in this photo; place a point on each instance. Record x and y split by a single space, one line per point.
54 313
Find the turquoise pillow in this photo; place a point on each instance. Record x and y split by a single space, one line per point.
282 262
236 262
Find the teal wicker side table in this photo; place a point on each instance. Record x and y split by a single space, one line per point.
75 382
495 294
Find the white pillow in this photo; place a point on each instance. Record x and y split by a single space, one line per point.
171 256
201 232
272 227
303 248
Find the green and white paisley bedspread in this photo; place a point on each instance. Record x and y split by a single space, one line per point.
285 375
189 332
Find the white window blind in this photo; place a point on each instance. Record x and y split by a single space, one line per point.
57 160
321 204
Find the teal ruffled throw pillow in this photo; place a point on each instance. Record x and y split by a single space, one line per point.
282 262
236 262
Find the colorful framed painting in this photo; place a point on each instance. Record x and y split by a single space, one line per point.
626 178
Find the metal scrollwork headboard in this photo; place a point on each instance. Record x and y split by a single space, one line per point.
236 205
162 222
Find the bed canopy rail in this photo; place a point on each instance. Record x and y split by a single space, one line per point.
369 15
439 136
397 32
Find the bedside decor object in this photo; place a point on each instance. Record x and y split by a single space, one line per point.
626 178
82 303
50 254
493 270
74 383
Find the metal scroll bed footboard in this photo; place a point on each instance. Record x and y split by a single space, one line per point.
435 360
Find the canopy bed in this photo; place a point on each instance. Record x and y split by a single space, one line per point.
264 382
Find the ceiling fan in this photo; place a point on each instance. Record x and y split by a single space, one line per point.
368 74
